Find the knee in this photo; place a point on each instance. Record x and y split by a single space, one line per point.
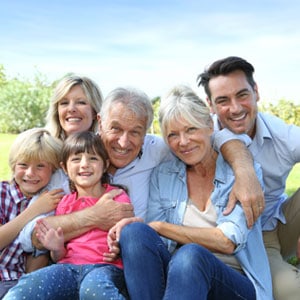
190 255
132 236
132 230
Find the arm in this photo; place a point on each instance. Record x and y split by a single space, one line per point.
210 238
104 214
246 188
35 263
46 202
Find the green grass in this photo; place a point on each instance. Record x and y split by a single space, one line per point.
293 181
6 140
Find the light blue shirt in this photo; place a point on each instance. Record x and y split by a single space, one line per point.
168 201
276 146
136 175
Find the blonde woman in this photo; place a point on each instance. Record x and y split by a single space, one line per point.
74 106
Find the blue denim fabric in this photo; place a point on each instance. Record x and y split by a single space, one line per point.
5 286
68 281
145 258
195 273
191 273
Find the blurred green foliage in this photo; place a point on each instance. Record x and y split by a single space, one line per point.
24 103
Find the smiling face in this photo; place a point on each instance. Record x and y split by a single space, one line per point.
85 171
31 177
190 144
75 112
122 133
235 102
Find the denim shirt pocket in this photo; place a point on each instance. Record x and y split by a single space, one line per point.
219 196
169 207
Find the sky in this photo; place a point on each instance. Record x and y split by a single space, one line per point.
152 45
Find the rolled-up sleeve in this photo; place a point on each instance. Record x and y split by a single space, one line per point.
234 233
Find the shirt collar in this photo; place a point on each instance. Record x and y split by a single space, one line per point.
262 132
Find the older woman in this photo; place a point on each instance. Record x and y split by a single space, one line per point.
190 250
74 106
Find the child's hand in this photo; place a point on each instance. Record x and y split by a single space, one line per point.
51 239
113 237
114 252
114 233
48 200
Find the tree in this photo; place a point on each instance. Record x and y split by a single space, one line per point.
155 129
285 110
23 104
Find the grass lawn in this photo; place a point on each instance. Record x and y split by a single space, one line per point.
293 181
6 140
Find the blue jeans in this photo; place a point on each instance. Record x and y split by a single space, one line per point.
192 272
68 281
5 286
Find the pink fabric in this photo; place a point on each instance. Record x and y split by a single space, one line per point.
89 247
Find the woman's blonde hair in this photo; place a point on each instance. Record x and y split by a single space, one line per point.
92 93
35 144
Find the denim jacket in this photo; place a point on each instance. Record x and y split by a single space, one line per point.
168 201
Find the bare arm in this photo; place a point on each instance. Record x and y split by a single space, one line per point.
104 214
210 238
35 263
46 202
246 188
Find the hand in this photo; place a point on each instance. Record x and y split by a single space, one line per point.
246 188
248 191
156 225
107 212
50 238
113 238
114 252
114 233
47 201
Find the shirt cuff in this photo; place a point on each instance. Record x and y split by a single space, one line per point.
233 233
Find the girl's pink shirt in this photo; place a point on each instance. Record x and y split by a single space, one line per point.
89 247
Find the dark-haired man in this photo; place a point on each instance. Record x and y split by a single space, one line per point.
232 94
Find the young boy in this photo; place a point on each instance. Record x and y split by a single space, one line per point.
33 158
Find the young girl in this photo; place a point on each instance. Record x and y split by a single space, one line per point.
33 158
80 271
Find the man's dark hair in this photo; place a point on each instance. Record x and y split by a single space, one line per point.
223 67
